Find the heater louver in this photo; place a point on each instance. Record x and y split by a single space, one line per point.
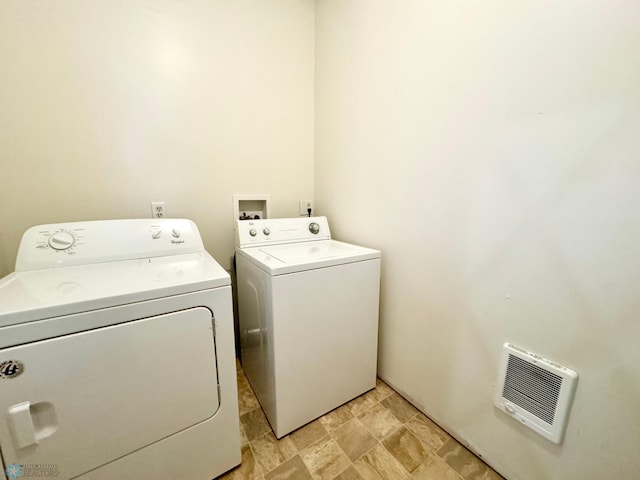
535 391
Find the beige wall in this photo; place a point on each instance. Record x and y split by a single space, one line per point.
109 105
491 151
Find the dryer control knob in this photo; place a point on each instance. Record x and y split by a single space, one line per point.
266 231
61 240
314 228
175 233
253 232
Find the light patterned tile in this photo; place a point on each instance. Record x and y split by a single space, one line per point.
292 469
465 463
255 424
427 431
406 448
287 446
310 433
379 464
247 401
381 391
242 379
336 418
400 408
248 469
243 436
354 439
330 444
379 421
490 474
359 405
434 468
270 453
349 474
324 459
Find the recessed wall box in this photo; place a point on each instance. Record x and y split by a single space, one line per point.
251 207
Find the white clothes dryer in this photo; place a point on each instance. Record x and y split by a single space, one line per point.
117 355
308 308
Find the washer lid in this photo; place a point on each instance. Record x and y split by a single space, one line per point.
38 294
298 257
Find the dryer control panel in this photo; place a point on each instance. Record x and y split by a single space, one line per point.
274 231
81 243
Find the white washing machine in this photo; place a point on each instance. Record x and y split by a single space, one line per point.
308 310
117 355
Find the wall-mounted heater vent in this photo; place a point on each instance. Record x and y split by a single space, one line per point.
535 391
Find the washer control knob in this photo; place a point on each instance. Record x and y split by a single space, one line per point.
156 234
253 232
175 233
61 240
266 231
314 228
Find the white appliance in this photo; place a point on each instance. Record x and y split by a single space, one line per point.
117 355
308 310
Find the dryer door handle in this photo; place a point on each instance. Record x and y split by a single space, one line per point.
21 425
30 423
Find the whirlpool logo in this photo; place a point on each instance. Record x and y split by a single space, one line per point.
11 368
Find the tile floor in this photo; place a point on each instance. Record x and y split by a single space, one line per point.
377 436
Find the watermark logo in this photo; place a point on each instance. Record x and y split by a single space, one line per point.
13 471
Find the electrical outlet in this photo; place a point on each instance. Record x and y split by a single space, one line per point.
158 210
304 207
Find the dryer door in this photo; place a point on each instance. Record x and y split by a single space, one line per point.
86 399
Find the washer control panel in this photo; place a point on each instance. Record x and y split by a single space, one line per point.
79 243
56 239
274 231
